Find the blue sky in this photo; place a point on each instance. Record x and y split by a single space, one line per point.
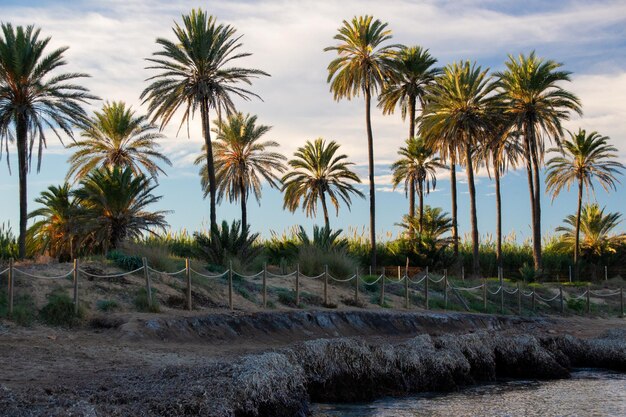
109 40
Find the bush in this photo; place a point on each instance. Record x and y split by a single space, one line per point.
228 242
312 261
106 305
8 243
158 257
142 304
23 308
60 310
129 263
578 305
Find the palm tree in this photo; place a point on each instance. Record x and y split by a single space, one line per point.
457 117
435 224
34 98
596 227
115 136
242 161
57 230
501 151
412 73
318 171
195 74
416 167
362 66
538 106
583 158
115 203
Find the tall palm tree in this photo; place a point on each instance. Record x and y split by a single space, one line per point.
242 161
583 158
362 66
597 229
417 168
115 136
412 73
317 172
457 117
538 105
115 203
34 97
501 150
195 73
56 231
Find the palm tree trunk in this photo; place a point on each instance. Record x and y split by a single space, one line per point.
411 205
420 192
577 239
21 130
473 219
537 226
496 171
244 211
325 208
412 101
455 229
206 133
370 150
531 190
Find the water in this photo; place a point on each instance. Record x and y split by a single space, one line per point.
589 393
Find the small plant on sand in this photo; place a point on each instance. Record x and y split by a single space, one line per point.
142 304
107 305
23 308
59 311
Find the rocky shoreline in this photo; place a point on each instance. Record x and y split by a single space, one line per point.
282 382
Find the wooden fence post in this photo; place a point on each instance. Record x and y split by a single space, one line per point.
621 300
297 285
75 278
463 273
399 276
356 287
382 289
11 285
606 273
570 273
501 293
519 300
406 290
445 289
588 299
146 274
484 295
533 300
561 300
188 278
325 285
230 285
264 285
426 294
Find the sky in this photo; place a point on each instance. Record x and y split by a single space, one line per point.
110 40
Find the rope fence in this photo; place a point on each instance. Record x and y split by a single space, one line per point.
418 283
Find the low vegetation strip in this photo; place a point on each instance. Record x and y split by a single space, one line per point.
293 289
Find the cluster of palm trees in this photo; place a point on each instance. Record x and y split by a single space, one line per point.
469 118
459 115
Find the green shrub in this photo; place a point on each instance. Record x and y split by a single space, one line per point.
578 305
59 311
312 261
142 304
158 257
8 243
107 305
123 261
23 308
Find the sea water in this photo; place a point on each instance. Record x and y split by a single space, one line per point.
589 393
